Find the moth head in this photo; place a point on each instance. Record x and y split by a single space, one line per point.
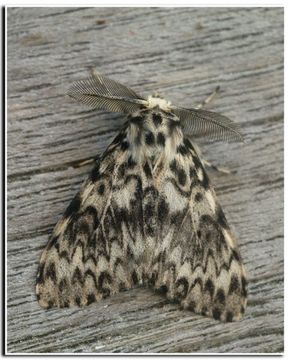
157 100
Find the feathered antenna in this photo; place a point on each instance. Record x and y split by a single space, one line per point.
99 92
198 122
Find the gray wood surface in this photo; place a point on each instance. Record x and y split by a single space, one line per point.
184 53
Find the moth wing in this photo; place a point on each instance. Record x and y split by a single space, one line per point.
199 122
88 245
202 267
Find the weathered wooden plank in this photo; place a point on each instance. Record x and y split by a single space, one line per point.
184 53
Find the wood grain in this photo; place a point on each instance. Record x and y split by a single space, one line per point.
184 53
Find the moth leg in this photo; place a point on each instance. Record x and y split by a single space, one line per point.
87 161
208 99
220 169
207 163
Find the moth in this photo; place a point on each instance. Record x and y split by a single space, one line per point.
147 214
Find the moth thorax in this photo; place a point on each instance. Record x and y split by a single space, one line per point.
154 101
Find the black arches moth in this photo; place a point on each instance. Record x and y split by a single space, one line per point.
147 214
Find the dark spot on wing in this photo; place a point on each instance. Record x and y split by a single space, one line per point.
236 255
163 289
63 285
181 149
196 162
208 236
137 120
124 145
221 217
147 170
52 242
182 177
188 144
229 316
134 277
73 207
220 296
101 189
216 313
198 197
205 180
153 279
172 125
119 138
197 281
77 276
244 286
193 173
105 293
163 210
103 277
182 286
157 119
131 163
64 255
39 278
95 174
203 310
149 210
234 284
161 140
51 272
50 304
209 286
149 138
174 167
90 299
